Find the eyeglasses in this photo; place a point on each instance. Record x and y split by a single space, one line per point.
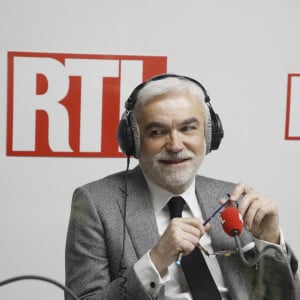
224 253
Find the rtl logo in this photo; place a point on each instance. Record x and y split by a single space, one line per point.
70 104
292 127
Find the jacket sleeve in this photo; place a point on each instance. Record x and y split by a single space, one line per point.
88 265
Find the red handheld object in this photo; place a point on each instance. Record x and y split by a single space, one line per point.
232 221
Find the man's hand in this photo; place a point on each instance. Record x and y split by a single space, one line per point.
182 235
260 214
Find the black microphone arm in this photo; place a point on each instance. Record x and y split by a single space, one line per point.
34 277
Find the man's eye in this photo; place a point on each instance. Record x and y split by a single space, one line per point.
188 128
157 132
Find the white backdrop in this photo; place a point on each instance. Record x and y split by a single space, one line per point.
242 51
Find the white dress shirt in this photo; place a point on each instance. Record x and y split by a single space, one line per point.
173 285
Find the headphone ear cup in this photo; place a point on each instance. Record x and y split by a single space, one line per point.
125 136
217 132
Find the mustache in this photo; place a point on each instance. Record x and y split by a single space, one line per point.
175 156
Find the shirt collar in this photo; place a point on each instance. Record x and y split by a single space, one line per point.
160 197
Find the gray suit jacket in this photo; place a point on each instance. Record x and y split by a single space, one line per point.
95 242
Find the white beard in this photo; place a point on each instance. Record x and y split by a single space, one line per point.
171 177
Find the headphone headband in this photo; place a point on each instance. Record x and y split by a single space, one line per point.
130 103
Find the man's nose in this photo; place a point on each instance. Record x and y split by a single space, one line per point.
174 142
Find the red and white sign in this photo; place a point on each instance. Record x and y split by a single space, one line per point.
70 104
292 127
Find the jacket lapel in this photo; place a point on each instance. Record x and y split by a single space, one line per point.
140 219
209 192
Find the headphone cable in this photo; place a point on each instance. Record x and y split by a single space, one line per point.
122 267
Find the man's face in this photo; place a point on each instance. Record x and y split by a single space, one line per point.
172 140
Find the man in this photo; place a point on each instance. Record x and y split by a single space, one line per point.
121 239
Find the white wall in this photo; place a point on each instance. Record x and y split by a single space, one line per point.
242 51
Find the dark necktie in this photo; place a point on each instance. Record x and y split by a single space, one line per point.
199 279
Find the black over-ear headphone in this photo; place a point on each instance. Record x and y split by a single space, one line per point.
126 133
